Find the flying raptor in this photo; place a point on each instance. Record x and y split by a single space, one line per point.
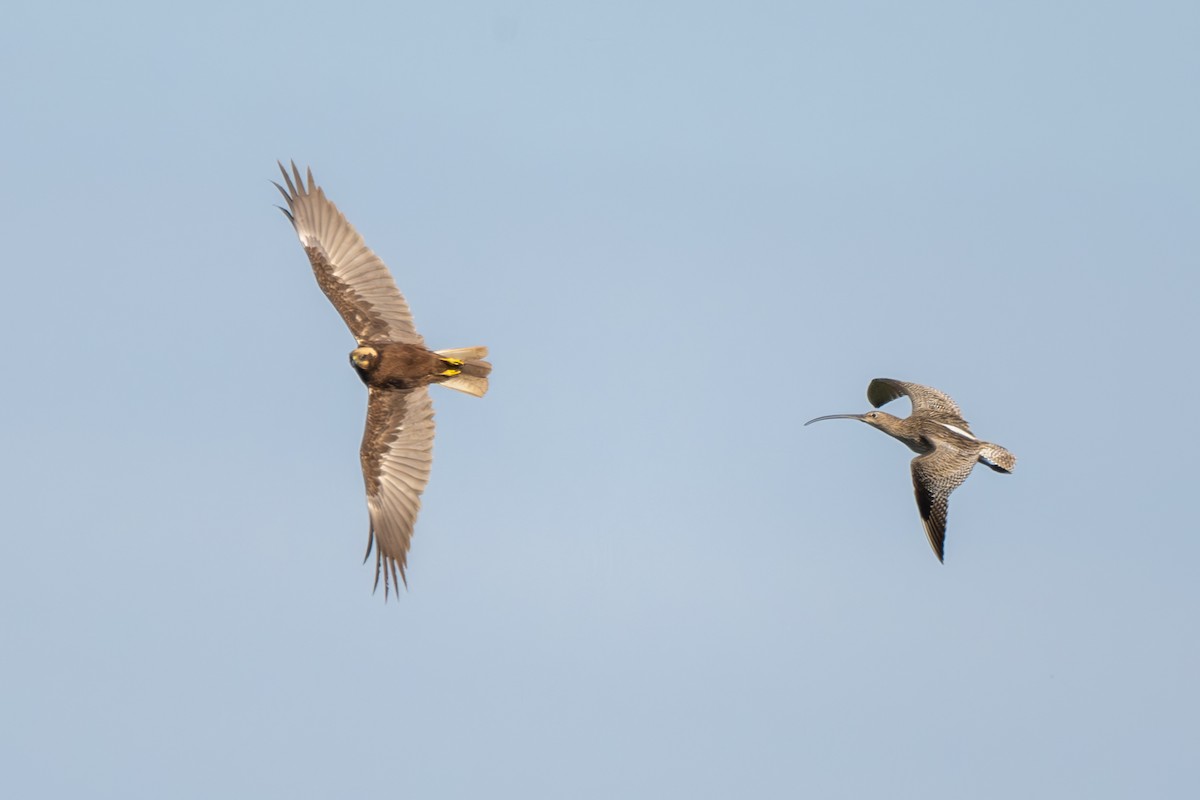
391 359
947 450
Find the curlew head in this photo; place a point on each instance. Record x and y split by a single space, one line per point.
364 359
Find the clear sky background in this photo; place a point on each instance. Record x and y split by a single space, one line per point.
683 229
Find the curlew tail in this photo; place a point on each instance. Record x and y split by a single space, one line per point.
467 370
996 457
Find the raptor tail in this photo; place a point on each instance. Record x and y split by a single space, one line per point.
473 378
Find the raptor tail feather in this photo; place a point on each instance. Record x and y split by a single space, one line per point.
473 377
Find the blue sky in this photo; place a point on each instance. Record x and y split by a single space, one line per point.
683 229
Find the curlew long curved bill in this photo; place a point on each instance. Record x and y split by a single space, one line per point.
836 416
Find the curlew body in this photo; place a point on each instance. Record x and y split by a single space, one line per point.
946 449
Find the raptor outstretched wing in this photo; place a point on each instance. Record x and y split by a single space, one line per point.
397 451
354 279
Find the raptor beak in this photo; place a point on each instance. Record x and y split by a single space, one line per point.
836 416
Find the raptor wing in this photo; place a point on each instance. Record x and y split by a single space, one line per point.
354 279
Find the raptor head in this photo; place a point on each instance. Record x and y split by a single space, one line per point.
364 359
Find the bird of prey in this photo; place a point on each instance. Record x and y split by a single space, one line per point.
391 359
947 449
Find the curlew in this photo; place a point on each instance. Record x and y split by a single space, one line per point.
946 448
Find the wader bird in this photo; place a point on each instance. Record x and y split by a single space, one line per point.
948 450
391 359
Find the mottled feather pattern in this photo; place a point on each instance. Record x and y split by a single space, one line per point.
925 400
996 457
935 475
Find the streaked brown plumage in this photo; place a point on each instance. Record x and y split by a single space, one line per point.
947 449
391 359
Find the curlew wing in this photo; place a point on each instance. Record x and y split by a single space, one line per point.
397 450
924 399
935 475
354 279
